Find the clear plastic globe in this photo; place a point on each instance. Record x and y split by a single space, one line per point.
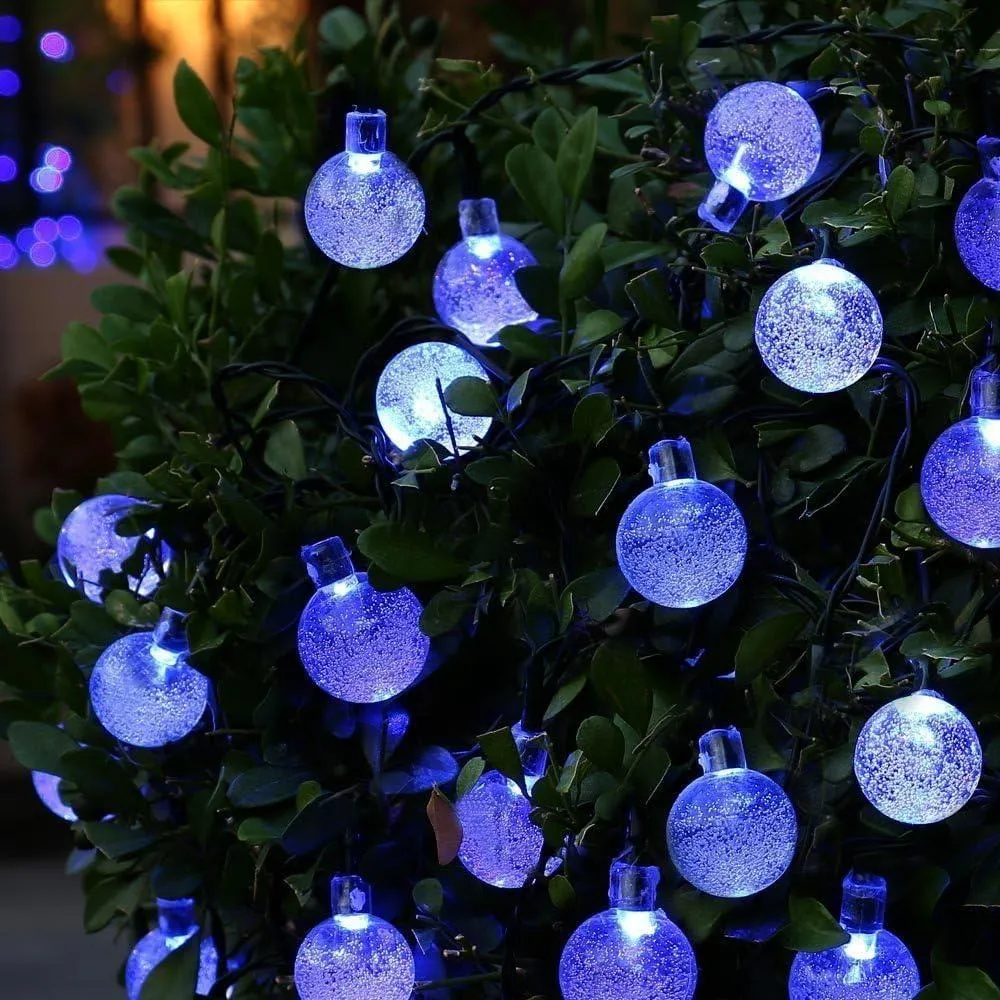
632 951
144 691
89 547
354 955
474 286
178 923
873 965
918 759
977 221
960 478
47 790
763 143
732 832
681 542
500 845
357 643
408 404
364 207
819 327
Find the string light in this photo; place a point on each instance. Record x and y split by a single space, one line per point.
977 221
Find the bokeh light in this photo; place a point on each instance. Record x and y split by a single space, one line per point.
25 239
46 230
58 158
8 254
70 227
42 255
56 46
10 83
46 180
8 168
10 28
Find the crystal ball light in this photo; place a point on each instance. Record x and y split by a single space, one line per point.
977 221
408 404
819 328
732 832
960 478
47 790
500 844
89 546
364 208
631 951
763 143
177 925
681 542
918 759
475 290
354 955
144 691
357 643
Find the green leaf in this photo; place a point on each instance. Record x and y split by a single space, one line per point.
501 753
959 982
196 106
565 696
764 643
599 593
409 554
899 191
105 783
117 841
583 267
620 680
811 927
176 976
39 746
594 486
602 743
595 327
593 418
575 159
428 895
342 29
471 396
130 301
561 892
533 174
284 452
81 342
265 786
471 772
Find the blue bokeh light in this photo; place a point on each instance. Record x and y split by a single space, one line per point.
178 923
960 478
364 207
631 951
8 168
10 83
409 406
682 542
47 789
89 546
70 227
474 286
8 254
25 239
918 759
354 955
500 845
977 220
732 832
10 28
356 643
763 143
56 46
144 691
873 965
819 327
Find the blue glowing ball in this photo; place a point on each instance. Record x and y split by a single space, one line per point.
819 328
474 287
960 482
360 644
47 789
732 832
409 406
918 759
89 547
628 955
868 967
681 543
500 844
146 694
364 207
977 221
354 956
154 948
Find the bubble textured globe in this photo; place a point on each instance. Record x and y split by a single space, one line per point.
475 290
819 328
354 955
763 143
408 402
918 759
960 478
732 832
89 547
47 790
357 643
873 965
144 691
500 844
177 925
364 208
631 951
682 542
977 221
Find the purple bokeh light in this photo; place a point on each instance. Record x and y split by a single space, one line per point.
70 227
58 158
46 230
10 83
8 254
120 81
46 180
56 46
42 255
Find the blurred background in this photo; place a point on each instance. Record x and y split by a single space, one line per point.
81 83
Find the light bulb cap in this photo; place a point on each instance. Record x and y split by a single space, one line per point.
721 750
863 907
170 632
366 132
984 392
989 157
327 561
478 217
177 918
633 887
350 895
671 459
723 206
531 745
